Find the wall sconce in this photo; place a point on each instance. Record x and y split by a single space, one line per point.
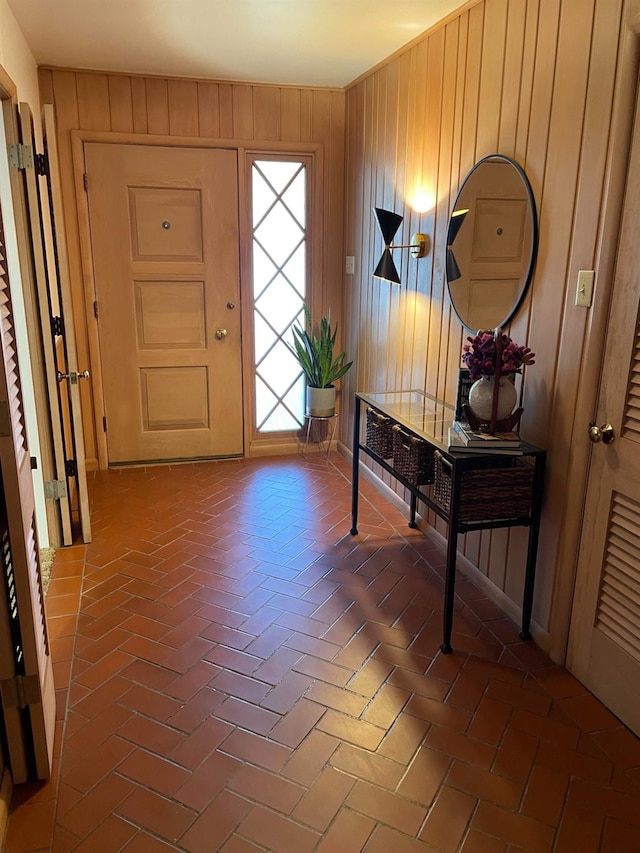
455 224
389 223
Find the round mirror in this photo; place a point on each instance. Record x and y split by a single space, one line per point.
491 243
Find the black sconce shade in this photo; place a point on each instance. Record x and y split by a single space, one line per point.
389 222
455 224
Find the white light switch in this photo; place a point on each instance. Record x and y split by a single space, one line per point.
349 265
584 289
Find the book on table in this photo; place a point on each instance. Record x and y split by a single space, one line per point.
462 437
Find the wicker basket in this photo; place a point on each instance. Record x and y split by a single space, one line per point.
412 457
493 490
379 434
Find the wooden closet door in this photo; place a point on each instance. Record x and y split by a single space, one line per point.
27 690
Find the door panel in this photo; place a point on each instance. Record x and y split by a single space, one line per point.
164 233
66 353
604 645
27 690
44 308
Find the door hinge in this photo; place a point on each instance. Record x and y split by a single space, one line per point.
104 424
55 489
20 691
70 468
20 156
85 182
95 309
57 326
41 165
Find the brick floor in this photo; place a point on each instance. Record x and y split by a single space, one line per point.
236 672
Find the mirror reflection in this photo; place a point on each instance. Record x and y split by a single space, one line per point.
491 243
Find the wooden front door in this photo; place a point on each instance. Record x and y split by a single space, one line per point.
164 234
604 644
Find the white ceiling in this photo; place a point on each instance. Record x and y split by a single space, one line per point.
300 42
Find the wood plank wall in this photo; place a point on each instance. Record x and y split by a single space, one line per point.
257 117
535 80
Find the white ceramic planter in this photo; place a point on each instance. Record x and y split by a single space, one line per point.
321 402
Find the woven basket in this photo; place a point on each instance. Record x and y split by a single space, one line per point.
493 490
412 457
379 434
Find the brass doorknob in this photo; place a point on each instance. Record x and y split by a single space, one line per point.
605 433
221 333
72 376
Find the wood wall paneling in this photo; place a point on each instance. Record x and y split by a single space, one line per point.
523 79
263 117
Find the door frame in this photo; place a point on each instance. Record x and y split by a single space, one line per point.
78 140
619 142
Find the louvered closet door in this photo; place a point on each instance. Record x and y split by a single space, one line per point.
27 691
604 649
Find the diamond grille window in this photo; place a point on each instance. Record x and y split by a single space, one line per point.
279 199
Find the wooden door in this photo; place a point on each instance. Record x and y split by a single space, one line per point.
604 643
67 372
27 692
164 235
60 485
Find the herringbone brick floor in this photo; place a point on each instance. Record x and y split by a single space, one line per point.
237 673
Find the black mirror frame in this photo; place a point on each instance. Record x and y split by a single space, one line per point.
534 235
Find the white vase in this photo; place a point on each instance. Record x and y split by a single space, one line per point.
481 398
321 402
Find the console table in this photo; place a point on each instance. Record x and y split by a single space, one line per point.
470 491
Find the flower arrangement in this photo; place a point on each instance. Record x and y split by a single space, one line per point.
479 355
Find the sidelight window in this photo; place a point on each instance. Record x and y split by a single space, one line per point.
280 273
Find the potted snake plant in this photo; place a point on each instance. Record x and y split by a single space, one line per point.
315 356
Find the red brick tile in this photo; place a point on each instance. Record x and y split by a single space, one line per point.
448 819
276 833
545 796
111 835
159 815
266 788
100 802
513 828
153 771
296 725
31 828
403 738
310 757
324 671
588 713
357 732
485 785
215 824
490 721
515 756
581 829
150 735
347 834
387 808
478 842
324 798
458 745
207 780
384 839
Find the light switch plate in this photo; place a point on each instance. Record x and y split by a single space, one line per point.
584 288
349 265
